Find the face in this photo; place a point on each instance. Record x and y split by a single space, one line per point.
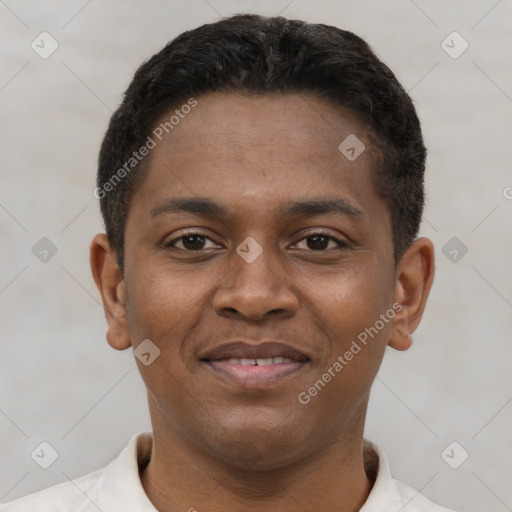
256 254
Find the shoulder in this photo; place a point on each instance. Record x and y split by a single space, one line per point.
117 486
76 495
413 501
387 492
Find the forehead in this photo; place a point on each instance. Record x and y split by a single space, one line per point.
255 150
222 122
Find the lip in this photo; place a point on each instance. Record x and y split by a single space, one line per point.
256 350
237 362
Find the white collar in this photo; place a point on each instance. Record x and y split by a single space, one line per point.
119 487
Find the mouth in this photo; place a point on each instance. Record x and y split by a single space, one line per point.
255 366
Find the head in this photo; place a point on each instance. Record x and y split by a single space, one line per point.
262 180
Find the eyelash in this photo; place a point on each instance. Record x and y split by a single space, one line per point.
171 243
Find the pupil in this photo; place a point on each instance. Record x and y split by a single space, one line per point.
316 243
195 244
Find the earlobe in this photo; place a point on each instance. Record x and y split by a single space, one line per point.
110 283
414 278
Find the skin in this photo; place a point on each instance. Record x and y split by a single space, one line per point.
217 445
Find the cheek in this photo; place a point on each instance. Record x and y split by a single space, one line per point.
163 307
162 300
353 299
350 307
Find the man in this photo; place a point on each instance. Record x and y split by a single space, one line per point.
262 189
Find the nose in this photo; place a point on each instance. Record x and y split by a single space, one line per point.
256 290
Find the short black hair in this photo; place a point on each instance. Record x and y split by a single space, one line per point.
257 54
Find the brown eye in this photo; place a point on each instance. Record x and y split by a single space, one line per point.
191 242
320 242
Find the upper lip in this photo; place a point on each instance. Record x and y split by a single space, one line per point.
253 350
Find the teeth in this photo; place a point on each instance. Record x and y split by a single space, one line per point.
260 361
265 362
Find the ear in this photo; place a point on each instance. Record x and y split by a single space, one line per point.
414 278
110 283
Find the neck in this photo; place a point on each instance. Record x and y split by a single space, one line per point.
182 477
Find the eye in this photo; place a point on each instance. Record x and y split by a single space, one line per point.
191 241
195 241
319 241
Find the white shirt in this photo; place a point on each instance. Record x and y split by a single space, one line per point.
117 488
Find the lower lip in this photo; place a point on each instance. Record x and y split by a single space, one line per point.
254 376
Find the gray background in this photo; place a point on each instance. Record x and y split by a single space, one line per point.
62 383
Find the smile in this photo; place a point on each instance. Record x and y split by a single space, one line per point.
255 365
255 373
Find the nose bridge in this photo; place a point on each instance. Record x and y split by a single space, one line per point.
255 265
255 283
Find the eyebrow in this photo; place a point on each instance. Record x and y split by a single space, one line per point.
206 207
